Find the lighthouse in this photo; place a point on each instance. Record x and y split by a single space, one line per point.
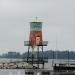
35 33
35 42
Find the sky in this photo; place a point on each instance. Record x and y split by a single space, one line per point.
58 17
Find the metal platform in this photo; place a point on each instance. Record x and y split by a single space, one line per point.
43 43
38 47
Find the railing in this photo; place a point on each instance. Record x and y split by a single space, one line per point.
43 43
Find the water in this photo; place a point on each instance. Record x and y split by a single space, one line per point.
12 72
22 71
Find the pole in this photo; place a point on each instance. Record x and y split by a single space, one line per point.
42 57
28 54
32 55
68 57
53 59
38 55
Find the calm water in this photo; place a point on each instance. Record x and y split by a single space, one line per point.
22 71
12 72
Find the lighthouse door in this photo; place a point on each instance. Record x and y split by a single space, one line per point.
37 40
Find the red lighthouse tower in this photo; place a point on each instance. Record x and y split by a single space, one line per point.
35 41
35 33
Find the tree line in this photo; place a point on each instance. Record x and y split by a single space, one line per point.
50 54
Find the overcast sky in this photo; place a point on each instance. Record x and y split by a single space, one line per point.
58 17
